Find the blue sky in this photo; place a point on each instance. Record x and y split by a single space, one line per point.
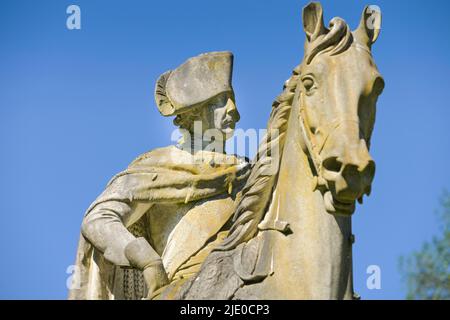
77 106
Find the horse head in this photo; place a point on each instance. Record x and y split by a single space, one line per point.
339 85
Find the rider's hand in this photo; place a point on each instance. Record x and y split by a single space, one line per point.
143 257
155 277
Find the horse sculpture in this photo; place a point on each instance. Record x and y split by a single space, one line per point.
292 236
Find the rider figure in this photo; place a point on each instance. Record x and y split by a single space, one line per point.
171 204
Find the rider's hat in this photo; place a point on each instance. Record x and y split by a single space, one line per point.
194 82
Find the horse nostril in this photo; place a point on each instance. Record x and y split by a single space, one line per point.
369 170
332 164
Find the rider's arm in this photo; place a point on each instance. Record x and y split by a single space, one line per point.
105 228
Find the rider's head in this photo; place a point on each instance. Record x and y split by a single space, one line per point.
200 90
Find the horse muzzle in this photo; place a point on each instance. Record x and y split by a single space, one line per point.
348 175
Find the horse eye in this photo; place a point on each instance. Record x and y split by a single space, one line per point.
308 83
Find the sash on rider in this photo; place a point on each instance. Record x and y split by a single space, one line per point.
165 175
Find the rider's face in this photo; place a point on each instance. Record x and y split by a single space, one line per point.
222 114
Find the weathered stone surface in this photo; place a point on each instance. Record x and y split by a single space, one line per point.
163 212
291 236
194 82
302 212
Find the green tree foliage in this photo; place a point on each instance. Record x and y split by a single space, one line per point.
426 272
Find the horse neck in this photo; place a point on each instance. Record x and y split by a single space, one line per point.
315 259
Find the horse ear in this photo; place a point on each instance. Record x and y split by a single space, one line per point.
313 21
369 26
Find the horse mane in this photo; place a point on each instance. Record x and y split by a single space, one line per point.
256 194
334 40
257 191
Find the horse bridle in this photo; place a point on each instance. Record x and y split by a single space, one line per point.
309 146
307 137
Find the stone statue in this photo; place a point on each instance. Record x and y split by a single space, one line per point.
291 236
157 220
287 231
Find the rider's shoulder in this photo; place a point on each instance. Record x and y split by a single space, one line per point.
158 155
